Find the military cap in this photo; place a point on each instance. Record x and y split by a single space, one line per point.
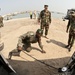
45 5
40 31
72 12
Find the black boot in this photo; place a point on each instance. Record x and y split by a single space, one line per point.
10 55
66 46
14 52
46 37
69 49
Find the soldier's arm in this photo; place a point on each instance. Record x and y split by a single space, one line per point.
40 45
50 17
68 26
20 44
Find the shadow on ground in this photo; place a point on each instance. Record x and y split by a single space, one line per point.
56 42
37 68
34 48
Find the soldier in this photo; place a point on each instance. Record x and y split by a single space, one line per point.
71 28
25 41
31 14
68 69
45 17
1 21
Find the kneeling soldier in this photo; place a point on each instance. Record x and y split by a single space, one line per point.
25 41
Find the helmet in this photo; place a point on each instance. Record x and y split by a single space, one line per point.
40 31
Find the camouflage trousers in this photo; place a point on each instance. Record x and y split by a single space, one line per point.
26 47
1 24
71 39
46 27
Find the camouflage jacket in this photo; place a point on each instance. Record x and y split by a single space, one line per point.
45 16
1 21
71 26
29 37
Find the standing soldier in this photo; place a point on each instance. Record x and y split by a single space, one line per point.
45 17
31 14
1 21
1 43
25 41
71 28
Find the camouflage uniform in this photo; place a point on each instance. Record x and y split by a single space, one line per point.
45 17
25 42
1 21
28 38
71 27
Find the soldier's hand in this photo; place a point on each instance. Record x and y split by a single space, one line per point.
43 51
19 48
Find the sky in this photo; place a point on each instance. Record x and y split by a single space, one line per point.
10 6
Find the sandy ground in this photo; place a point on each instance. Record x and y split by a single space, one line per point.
56 55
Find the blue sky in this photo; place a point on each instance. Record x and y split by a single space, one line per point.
9 6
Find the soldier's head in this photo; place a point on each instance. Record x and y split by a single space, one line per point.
45 7
72 16
39 32
72 12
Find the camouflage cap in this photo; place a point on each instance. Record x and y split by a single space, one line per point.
72 12
45 5
40 31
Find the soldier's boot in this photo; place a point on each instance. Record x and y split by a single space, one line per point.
69 49
46 33
43 51
14 52
2 25
10 55
71 45
66 46
46 37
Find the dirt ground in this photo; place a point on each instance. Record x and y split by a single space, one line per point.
56 53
